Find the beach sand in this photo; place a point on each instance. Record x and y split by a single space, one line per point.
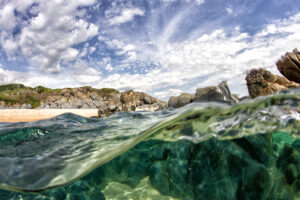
28 115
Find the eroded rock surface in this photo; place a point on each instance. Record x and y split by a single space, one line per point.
261 82
219 93
182 100
215 93
289 66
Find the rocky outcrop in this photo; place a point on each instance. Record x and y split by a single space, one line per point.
106 100
130 100
261 82
289 66
216 93
182 100
219 93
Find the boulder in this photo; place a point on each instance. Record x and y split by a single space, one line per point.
215 93
289 66
261 82
182 100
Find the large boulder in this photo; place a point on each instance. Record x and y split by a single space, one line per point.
182 100
261 82
289 66
215 93
131 100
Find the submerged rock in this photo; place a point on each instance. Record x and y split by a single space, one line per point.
253 167
261 82
289 66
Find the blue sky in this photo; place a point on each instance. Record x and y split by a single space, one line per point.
162 47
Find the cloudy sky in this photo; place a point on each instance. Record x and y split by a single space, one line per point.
162 47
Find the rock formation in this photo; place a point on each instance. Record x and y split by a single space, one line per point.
289 66
130 100
252 167
216 93
262 82
106 100
211 93
182 100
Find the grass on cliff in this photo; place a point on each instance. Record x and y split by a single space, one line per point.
40 89
107 91
18 94
11 87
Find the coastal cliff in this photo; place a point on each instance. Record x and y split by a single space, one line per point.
106 100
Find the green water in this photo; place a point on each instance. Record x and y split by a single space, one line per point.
202 151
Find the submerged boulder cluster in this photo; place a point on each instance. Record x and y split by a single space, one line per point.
261 82
253 167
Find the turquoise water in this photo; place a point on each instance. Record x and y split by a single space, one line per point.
201 151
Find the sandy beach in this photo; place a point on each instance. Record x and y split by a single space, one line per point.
27 115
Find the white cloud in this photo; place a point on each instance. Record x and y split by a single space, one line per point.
47 39
211 58
167 93
126 15
9 46
199 2
109 68
229 10
7 17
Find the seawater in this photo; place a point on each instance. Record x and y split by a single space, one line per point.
205 150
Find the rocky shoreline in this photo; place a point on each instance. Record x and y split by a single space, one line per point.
260 82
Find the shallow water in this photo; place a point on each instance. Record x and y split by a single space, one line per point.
201 151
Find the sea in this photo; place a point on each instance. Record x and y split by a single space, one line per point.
205 151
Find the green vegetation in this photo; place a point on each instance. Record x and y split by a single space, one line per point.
107 91
41 89
11 87
34 102
18 94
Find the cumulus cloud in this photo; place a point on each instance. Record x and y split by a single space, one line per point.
47 39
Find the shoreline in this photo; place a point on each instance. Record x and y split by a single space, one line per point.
29 115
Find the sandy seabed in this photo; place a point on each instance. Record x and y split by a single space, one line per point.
28 115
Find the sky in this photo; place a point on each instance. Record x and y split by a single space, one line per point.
161 47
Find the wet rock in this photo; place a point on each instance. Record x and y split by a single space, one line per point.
261 82
97 196
289 66
75 196
159 178
215 93
182 100
58 194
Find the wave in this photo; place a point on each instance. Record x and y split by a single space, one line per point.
45 154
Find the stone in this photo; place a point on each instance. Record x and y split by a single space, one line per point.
182 100
66 92
289 65
215 93
261 82
172 103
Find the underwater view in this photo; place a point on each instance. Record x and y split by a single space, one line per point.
201 151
